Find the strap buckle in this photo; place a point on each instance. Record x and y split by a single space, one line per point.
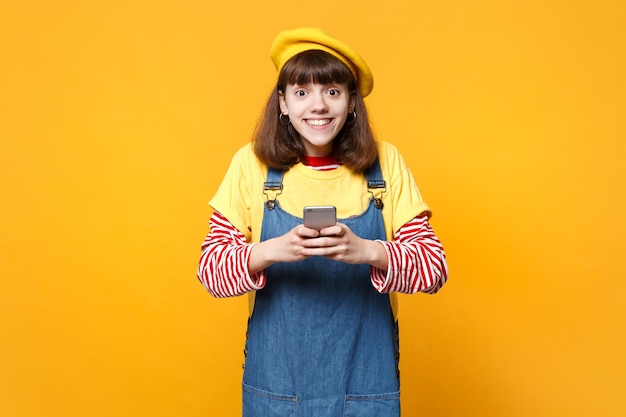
277 187
375 185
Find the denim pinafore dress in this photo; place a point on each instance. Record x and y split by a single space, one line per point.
321 341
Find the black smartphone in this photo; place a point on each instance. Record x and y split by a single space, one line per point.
319 217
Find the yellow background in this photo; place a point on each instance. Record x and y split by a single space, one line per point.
118 120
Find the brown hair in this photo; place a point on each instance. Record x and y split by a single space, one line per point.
280 146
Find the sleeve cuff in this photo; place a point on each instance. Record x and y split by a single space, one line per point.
255 281
381 278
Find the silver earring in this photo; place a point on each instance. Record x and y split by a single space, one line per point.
351 120
281 120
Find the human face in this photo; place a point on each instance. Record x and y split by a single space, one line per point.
317 112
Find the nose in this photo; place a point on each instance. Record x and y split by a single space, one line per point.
319 102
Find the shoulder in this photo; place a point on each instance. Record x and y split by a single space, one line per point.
246 153
246 160
240 190
386 147
245 170
403 195
391 161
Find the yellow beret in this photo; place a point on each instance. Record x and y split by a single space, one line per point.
289 43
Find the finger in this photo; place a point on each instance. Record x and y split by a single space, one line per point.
319 251
318 242
306 232
335 230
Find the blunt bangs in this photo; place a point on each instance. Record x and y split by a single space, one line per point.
317 67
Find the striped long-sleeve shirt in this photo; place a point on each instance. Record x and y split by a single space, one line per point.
416 261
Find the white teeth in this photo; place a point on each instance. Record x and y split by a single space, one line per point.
318 122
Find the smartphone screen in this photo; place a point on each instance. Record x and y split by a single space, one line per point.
319 217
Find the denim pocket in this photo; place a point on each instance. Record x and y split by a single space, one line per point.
259 403
375 405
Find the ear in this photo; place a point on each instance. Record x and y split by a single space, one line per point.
282 103
352 104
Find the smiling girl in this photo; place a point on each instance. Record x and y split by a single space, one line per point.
322 336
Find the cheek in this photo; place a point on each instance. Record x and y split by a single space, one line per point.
290 107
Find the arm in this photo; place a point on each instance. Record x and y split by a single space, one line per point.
223 266
416 261
229 266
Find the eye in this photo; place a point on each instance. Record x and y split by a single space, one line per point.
300 93
333 92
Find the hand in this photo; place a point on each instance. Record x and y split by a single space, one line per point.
286 248
338 242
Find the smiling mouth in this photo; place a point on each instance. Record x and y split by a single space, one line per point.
318 122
